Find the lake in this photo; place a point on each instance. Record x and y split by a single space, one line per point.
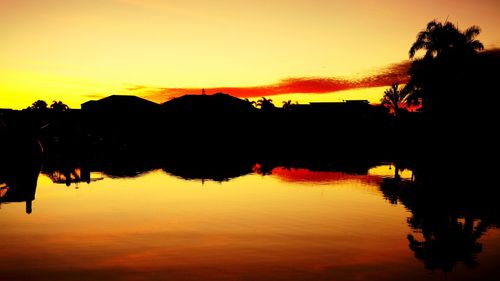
285 224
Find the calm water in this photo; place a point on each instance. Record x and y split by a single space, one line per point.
290 225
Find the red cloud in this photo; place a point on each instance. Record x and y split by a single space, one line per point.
313 85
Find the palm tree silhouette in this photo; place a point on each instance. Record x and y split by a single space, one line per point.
59 106
287 104
253 103
439 39
440 76
38 105
397 100
265 104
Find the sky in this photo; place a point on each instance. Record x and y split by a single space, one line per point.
303 50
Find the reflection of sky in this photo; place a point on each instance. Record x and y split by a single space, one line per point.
388 171
159 226
316 177
306 176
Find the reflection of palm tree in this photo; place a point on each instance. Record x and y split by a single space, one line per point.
449 242
397 100
447 232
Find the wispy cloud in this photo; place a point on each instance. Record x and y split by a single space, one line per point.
307 85
95 96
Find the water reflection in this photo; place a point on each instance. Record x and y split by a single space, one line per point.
18 181
18 188
448 219
68 168
216 169
447 223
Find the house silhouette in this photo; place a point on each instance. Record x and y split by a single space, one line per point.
217 104
120 104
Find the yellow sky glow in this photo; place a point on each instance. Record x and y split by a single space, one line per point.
79 50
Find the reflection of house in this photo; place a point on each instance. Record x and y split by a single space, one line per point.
118 104
19 189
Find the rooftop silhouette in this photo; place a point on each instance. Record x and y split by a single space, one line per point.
120 104
215 104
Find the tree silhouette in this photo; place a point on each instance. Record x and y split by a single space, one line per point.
447 241
446 228
59 106
287 105
253 103
265 104
38 105
397 100
440 39
441 77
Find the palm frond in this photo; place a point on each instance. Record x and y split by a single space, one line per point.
433 24
472 32
418 45
476 45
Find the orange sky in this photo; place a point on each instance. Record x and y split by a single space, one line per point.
79 50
